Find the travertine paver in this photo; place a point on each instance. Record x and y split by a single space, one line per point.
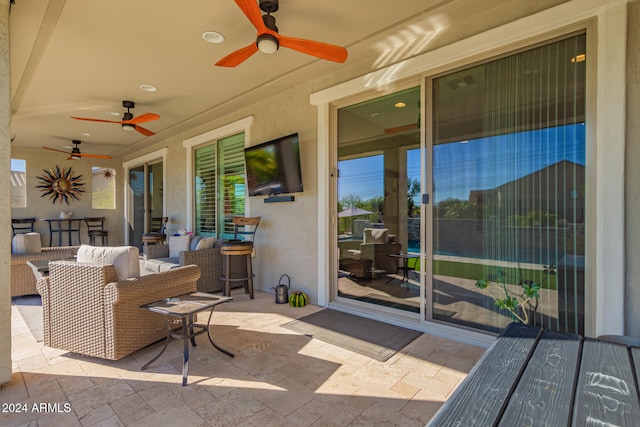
277 378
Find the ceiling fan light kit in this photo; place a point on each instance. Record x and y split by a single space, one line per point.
268 40
267 43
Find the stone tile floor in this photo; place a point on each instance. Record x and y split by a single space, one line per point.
278 378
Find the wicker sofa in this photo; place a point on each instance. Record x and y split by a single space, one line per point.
88 310
209 260
23 281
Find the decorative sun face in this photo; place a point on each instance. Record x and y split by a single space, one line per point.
60 185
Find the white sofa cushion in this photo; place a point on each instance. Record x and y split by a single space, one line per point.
178 244
156 265
125 259
26 243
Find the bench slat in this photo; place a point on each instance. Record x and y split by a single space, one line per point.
635 354
481 397
545 392
606 393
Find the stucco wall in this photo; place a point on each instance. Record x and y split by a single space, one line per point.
632 178
287 239
5 224
41 207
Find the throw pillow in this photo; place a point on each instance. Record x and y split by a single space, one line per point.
194 243
26 243
206 243
178 244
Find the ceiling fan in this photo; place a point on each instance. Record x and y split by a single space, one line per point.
268 39
75 153
128 122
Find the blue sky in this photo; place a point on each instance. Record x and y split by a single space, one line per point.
18 165
478 164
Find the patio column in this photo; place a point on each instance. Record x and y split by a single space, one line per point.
5 188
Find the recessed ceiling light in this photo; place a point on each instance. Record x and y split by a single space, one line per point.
579 58
113 113
213 37
400 105
376 115
85 134
148 88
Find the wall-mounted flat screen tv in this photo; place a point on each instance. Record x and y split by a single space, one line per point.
274 167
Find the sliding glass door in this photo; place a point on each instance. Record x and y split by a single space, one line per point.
145 199
507 165
378 202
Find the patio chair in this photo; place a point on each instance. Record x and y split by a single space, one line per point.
23 281
158 258
95 228
89 308
22 225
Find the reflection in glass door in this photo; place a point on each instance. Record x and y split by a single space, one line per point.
146 200
136 214
378 195
508 179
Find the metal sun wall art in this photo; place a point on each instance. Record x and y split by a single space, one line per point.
60 185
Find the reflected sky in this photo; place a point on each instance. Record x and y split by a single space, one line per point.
479 164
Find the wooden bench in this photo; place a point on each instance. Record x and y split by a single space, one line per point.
530 376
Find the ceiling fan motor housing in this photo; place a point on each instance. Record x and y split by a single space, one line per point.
269 6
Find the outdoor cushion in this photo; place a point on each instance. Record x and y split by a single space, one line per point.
194 243
125 259
206 243
157 265
178 244
376 235
26 243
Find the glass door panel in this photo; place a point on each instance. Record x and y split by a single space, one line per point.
136 214
146 200
378 188
508 176
155 195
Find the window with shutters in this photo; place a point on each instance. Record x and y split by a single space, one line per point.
219 185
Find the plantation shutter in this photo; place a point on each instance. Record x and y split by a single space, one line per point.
205 190
231 181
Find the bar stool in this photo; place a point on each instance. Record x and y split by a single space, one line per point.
22 225
238 247
242 248
95 228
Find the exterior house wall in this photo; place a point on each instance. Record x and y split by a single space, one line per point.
42 207
287 240
5 194
632 174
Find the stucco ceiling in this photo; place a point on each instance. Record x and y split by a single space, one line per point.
83 58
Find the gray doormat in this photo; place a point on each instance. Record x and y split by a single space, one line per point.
30 308
372 338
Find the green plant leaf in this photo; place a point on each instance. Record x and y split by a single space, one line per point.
482 284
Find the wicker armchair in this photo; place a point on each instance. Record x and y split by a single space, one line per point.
23 281
209 260
87 310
